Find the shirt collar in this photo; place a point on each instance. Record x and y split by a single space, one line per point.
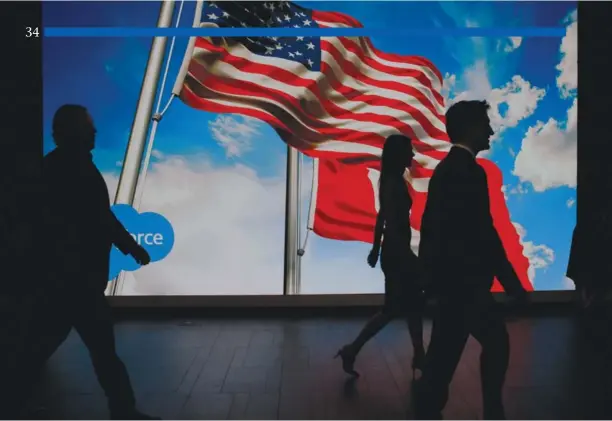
459 145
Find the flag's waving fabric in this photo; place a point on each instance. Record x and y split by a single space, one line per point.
324 95
346 204
333 98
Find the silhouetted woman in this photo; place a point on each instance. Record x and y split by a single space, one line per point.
403 291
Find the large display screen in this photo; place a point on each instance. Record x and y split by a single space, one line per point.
216 173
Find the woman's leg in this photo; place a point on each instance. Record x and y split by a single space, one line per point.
349 352
393 301
371 328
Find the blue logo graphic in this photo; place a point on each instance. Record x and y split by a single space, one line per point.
151 230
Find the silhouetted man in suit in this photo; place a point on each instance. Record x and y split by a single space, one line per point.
80 232
461 252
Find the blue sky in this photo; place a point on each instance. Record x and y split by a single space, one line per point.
105 74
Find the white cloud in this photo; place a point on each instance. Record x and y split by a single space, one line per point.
568 284
510 103
567 80
473 84
234 133
519 189
465 49
515 42
157 154
469 23
229 227
520 98
508 45
448 87
548 155
504 190
540 255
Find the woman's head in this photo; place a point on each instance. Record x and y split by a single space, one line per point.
396 155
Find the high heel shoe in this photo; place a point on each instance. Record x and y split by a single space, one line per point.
348 360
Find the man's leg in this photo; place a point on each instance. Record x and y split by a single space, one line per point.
448 337
93 322
48 328
489 328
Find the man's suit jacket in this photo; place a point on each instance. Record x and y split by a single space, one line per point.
460 248
80 226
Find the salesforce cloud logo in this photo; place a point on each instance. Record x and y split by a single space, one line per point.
151 230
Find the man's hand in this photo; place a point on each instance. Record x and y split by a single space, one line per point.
141 256
373 257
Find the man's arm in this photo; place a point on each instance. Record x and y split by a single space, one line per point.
125 242
503 269
378 231
122 239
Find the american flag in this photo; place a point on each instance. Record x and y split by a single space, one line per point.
335 99
303 50
327 96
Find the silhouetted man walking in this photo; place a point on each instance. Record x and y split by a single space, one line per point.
461 252
81 230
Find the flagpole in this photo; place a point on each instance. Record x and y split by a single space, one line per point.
142 119
298 230
180 78
312 207
291 286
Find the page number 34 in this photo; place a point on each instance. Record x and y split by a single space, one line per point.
31 32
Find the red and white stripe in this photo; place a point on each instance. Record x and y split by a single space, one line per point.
358 98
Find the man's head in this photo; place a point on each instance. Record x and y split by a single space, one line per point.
467 123
73 128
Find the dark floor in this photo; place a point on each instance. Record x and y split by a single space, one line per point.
283 369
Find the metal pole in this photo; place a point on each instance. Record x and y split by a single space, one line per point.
298 231
140 184
291 225
178 84
142 119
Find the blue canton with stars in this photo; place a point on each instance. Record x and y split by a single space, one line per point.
271 14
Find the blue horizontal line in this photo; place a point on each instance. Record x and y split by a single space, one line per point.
305 32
